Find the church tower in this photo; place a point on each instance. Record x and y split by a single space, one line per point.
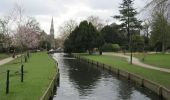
52 40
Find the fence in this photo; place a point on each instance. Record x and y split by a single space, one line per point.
158 89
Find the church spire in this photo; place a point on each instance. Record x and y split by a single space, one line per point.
52 27
52 40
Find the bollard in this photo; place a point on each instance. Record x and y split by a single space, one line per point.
56 63
22 73
7 82
25 58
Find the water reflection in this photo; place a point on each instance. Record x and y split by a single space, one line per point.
82 81
84 77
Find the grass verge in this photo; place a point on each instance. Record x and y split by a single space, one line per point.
157 60
159 77
38 73
3 56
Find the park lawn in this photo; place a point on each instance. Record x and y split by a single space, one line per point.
3 56
161 78
157 60
38 73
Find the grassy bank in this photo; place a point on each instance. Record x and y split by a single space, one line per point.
117 62
3 56
39 71
158 60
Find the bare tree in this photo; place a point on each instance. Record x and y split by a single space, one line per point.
160 18
65 30
67 27
96 21
5 31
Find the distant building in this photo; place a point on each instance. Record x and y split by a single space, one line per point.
51 36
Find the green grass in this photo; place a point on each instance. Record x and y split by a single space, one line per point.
39 71
3 56
157 60
161 78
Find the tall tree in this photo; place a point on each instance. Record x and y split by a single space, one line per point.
83 38
160 30
129 22
65 29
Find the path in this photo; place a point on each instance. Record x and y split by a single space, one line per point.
6 60
136 61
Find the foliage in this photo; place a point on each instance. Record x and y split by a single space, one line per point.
27 35
108 47
138 43
83 38
160 31
111 34
128 18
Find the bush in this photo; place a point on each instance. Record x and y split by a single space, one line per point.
108 47
115 47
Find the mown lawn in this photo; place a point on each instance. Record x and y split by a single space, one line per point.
39 71
158 60
117 62
3 56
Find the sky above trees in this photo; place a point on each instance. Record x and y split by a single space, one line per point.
63 10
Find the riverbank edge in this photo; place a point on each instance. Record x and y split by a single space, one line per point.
50 91
158 89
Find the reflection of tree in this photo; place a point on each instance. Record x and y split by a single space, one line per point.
83 76
125 90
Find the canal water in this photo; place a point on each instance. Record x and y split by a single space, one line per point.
82 81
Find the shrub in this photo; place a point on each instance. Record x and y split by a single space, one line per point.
108 47
115 47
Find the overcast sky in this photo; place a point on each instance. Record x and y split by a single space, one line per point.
63 10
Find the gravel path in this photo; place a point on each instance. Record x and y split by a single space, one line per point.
6 60
136 61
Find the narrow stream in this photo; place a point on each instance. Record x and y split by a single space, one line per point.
82 81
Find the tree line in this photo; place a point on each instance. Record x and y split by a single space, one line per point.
130 35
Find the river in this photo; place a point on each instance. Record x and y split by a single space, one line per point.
82 81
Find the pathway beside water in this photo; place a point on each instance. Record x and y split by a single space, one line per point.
82 81
136 61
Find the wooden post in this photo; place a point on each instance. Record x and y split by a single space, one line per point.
7 82
128 76
110 68
142 84
22 73
118 71
160 92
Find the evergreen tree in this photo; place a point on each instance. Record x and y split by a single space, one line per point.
129 23
84 37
